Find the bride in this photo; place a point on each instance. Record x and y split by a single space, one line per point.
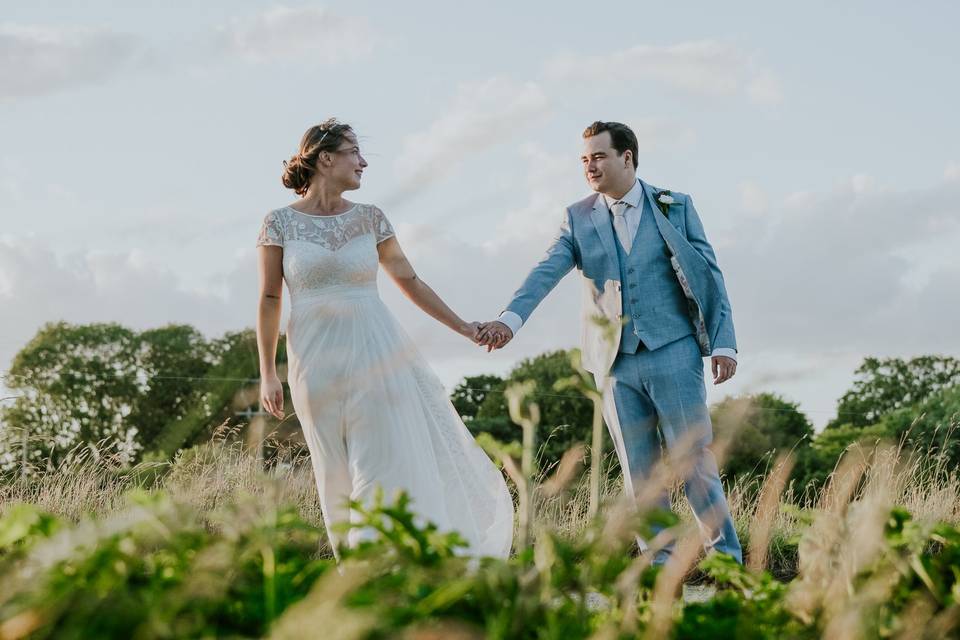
373 412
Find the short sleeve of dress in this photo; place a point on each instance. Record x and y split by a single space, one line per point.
382 228
271 231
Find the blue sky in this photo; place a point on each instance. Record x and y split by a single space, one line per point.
140 148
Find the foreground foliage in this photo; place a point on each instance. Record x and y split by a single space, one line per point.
161 569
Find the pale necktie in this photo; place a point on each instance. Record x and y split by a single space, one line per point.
620 224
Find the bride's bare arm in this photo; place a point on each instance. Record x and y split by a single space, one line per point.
270 261
396 264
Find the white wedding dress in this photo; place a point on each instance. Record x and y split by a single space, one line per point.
373 412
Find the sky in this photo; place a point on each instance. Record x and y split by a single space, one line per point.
141 146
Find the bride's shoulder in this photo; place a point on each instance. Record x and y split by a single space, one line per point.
277 215
370 210
273 229
378 221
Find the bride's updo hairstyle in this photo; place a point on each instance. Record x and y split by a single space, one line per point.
298 171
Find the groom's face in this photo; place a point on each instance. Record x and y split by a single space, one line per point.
603 168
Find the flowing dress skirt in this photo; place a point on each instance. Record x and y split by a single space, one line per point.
375 415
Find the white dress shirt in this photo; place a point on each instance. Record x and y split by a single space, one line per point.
632 215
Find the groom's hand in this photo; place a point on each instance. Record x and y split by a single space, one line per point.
494 335
723 368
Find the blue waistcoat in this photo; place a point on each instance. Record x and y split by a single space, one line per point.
653 302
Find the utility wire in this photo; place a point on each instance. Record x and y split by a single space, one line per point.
485 391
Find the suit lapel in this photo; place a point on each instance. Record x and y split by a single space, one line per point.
601 220
670 234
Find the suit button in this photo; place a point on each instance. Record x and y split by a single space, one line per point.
633 286
630 270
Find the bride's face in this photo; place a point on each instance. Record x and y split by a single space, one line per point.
347 163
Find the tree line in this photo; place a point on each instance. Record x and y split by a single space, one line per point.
145 395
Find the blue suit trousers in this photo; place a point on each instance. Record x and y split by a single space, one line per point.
655 401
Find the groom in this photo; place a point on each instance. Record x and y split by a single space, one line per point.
649 270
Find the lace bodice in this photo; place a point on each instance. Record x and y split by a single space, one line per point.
326 251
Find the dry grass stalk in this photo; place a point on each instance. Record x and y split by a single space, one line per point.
819 564
667 587
767 509
570 463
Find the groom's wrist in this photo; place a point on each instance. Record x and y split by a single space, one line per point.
512 320
725 352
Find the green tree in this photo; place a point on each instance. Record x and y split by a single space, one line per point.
77 384
761 427
884 385
82 384
931 427
469 395
235 367
566 417
172 360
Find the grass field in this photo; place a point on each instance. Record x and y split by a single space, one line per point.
217 543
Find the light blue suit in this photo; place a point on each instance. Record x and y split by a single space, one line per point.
666 300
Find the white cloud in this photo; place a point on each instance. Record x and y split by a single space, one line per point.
863 184
952 172
301 35
798 201
706 68
654 134
765 88
37 60
551 182
753 199
837 270
38 286
480 115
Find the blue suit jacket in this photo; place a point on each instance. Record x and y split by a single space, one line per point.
586 241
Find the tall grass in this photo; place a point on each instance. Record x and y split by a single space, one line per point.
835 543
93 482
856 566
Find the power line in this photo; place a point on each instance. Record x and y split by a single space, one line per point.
474 389
11 376
205 378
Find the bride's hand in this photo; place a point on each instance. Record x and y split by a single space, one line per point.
271 396
471 330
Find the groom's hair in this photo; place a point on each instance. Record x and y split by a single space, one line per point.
621 136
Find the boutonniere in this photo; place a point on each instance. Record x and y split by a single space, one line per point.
664 200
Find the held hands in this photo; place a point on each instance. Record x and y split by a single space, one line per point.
723 368
494 335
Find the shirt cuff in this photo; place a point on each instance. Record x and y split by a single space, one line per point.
722 351
512 320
